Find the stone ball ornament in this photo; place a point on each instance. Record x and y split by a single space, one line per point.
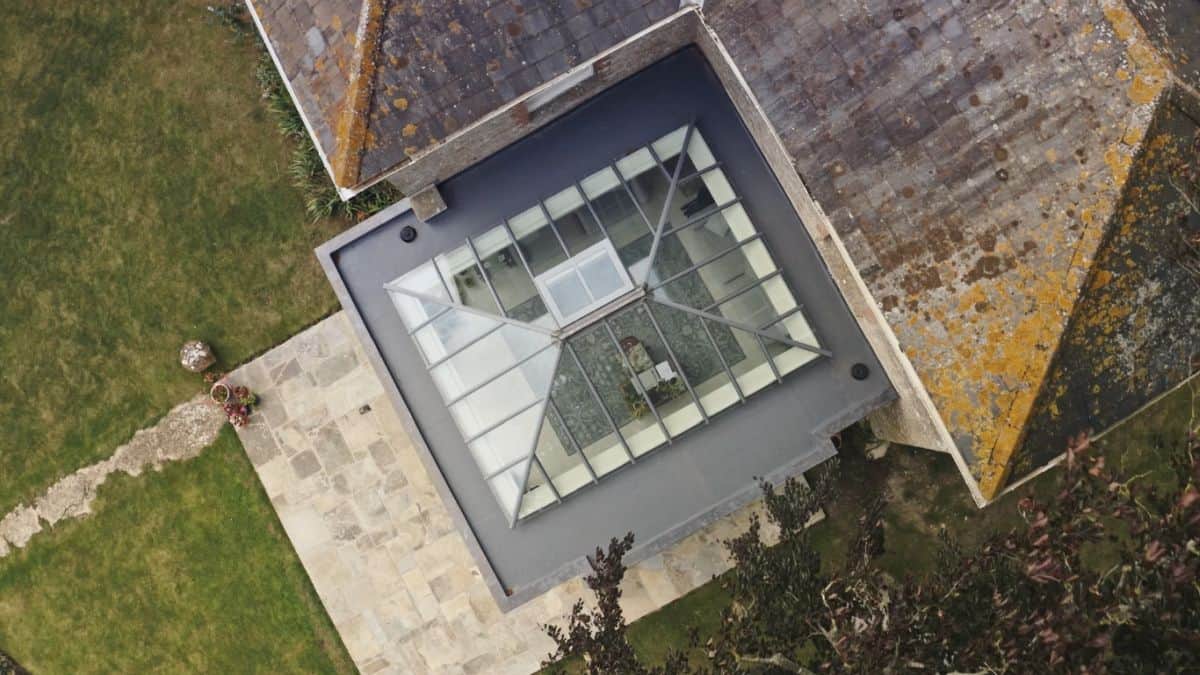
196 356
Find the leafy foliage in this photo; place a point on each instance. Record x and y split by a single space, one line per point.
9 666
1102 577
1185 179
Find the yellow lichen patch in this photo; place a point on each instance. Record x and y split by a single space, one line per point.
1144 90
986 359
1121 19
1118 162
1004 367
400 104
1146 59
351 129
409 130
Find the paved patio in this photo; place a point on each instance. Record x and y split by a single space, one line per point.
377 542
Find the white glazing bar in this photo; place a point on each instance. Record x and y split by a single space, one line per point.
671 353
463 308
712 258
574 442
770 361
636 384
600 401
740 292
724 364
486 281
743 326
508 418
499 375
704 216
662 218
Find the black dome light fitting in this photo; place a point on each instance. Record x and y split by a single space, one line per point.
408 234
860 371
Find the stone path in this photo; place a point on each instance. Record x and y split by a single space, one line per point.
393 572
186 430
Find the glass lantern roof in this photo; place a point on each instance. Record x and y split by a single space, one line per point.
603 322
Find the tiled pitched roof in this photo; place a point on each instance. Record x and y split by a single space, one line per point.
382 81
314 42
970 156
445 64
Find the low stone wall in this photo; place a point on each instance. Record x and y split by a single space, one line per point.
181 434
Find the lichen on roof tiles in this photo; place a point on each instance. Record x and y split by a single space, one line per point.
453 62
973 154
429 68
970 156
314 43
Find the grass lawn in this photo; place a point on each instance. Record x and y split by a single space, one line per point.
183 571
143 201
927 494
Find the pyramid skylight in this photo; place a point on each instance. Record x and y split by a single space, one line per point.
603 322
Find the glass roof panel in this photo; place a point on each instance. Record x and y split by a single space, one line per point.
581 422
451 331
744 355
465 280
573 220
546 413
669 145
623 395
510 278
540 245
694 350
538 493
423 281
508 444
655 366
699 153
511 393
507 488
560 458
636 163
617 212
487 358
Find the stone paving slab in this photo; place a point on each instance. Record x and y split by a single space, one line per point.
377 541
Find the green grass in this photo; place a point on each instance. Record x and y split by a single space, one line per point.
183 571
926 495
143 201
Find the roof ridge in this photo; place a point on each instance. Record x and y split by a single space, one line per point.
351 130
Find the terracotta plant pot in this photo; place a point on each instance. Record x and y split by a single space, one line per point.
219 393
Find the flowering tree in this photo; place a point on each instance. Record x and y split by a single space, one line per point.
1102 577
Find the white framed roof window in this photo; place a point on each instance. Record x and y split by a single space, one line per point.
584 283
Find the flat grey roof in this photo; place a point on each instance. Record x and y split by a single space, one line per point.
703 474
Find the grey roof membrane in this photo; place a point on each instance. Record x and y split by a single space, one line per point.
671 340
